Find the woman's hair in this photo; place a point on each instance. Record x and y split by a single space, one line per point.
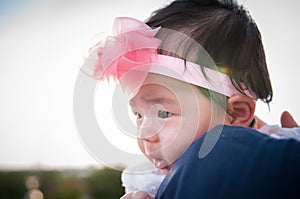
228 34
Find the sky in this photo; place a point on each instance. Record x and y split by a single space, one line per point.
42 45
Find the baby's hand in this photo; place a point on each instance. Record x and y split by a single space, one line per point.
137 195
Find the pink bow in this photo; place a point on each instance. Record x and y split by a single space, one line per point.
132 45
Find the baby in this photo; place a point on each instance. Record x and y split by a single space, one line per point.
194 79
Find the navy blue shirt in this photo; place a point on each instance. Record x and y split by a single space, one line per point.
243 164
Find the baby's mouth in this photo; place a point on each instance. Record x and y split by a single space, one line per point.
160 163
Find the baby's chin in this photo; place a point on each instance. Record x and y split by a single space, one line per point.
166 169
160 163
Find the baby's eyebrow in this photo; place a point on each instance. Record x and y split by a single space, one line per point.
159 100
154 100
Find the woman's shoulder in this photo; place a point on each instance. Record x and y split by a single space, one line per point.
240 141
242 162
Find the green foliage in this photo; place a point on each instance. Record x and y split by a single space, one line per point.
55 185
12 185
69 188
98 184
105 184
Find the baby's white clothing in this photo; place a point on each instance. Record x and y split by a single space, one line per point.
281 133
143 177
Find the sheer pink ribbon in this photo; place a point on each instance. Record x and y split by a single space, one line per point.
131 54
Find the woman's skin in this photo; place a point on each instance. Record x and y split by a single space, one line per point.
287 120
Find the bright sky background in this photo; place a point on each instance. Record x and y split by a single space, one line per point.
41 48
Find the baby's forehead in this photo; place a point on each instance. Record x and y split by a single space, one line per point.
153 92
162 82
161 88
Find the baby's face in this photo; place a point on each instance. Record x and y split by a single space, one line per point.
170 115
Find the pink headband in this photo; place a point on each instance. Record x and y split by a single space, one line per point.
131 54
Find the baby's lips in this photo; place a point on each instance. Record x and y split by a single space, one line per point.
159 163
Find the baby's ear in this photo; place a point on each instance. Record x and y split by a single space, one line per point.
241 110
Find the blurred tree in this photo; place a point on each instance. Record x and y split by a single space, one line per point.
105 184
99 184
12 185
49 182
55 185
69 188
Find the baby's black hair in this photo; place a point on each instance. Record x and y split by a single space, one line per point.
229 35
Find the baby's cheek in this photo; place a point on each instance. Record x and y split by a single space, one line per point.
171 129
170 137
141 145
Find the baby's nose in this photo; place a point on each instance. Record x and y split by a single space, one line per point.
149 129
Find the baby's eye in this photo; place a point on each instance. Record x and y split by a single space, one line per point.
164 114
